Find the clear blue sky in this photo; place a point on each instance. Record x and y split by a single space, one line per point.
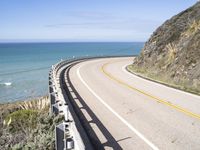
84 20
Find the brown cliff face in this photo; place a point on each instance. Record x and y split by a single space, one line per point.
172 53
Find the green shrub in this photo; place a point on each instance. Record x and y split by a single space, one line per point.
21 120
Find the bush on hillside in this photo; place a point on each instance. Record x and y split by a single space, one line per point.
21 120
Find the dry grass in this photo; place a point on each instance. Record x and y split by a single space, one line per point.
194 26
38 104
172 51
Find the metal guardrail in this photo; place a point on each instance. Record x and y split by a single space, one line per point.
67 134
70 133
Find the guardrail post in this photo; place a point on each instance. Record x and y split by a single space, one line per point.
64 139
55 109
69 143
68 139
50 88
52 98
59 137
66 112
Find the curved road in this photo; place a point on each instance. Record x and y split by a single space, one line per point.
123 111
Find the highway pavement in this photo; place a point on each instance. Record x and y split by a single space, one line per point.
122 111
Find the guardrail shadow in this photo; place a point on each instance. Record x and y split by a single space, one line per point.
110 140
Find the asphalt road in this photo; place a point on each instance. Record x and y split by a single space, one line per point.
123 111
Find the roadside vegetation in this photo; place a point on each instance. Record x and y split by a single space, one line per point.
182 84
27 125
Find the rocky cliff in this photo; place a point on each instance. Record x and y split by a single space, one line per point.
172 54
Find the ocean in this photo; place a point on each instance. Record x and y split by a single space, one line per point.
24 67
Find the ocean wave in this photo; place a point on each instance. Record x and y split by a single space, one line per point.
6 83
23 71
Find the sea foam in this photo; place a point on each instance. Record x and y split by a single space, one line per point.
6 83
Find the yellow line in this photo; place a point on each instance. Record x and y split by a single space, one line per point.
178 108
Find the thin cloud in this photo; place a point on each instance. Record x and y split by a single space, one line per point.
100 20
91 15
132 24
73 24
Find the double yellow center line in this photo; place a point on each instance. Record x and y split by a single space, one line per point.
176 107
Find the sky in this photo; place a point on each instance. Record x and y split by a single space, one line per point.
84 20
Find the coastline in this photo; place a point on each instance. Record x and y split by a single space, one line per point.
23 100
9 107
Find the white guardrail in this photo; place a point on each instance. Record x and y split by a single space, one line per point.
67 134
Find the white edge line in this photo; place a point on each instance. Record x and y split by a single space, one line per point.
158 84
116 114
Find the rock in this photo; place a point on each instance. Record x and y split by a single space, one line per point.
2 141
174 47
193 65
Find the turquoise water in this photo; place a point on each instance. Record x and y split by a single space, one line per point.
24 67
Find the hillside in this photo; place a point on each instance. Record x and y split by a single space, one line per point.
172 54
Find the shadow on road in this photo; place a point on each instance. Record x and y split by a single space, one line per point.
93 121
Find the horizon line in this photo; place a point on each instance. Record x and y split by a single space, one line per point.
5 42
